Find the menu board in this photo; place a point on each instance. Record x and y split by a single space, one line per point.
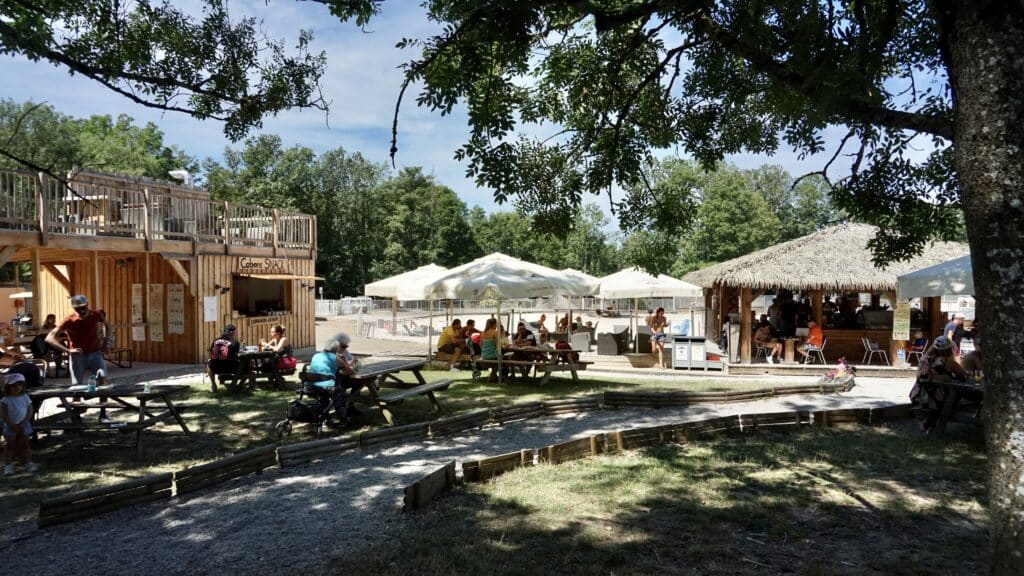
175 308
901 321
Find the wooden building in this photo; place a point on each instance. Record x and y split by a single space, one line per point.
168 264
836 261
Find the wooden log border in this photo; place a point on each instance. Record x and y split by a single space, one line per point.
209 474
79 505
423 491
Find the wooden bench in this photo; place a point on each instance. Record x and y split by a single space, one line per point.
547 367
392 397
120 356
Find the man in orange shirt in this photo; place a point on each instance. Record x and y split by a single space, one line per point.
815 338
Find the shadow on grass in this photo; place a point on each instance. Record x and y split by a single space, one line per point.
821 502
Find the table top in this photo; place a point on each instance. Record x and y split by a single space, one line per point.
540 349
388 366
256 355
109 390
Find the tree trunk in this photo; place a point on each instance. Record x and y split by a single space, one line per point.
985 55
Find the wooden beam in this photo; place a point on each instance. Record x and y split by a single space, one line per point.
182 273
275 232
64 280
147 225
745 325
37 287
6 253
817 304
43 209
95 262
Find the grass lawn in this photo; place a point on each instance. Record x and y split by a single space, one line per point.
823 501
227 423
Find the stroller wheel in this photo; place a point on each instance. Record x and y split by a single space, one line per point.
283 428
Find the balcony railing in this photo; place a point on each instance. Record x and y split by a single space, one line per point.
102 205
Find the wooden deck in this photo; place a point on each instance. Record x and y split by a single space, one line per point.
106 213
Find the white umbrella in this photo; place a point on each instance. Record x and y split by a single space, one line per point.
635 283
388 288
951 277
499 277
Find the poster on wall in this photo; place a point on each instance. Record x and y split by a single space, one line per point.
138 329
901 321
175 308
156 312
209 308
137 304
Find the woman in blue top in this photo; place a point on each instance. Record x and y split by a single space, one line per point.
333 367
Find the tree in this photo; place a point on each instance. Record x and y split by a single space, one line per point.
56 143
620 79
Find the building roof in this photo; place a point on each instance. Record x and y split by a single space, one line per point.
836 258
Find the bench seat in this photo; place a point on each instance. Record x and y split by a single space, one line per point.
391 397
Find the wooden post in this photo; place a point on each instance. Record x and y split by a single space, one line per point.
935 320
95 263
147 226
709 314
312 238
37 285
816 304
745 326
227 228
43 210
274 240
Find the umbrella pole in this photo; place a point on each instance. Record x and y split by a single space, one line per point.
636 328
499 338
394 316
430 330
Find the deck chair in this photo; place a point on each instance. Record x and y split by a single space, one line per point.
870 349
818 353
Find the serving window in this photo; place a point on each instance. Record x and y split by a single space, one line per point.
252 296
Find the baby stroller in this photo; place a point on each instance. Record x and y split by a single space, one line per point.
316 410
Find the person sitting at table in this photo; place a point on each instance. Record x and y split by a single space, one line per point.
814 340
16 417
452 342
467 334
523 338
331 372
223 355
763 339
38 346
490 348
563 324
285 359
936 367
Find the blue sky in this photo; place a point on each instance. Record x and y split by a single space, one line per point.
361 82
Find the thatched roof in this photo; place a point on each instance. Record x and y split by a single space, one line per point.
836 258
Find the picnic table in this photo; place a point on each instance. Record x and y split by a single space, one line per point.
385 388
254 367
145 409
956 392
548 361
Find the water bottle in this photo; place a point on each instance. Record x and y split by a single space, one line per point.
147 387
901 355
90 384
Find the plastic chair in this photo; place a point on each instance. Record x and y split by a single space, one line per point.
819 352
761 351
919 352
872 348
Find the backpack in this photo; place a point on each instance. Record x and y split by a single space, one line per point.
219 349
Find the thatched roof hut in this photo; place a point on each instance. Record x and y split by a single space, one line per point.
836 258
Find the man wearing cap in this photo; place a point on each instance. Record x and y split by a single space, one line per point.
88 336
953 331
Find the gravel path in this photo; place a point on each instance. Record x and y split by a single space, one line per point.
295 520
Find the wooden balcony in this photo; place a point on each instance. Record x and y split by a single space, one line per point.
125 214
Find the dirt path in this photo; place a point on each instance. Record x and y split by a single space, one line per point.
295 520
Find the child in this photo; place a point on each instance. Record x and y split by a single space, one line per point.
919 342
16 413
